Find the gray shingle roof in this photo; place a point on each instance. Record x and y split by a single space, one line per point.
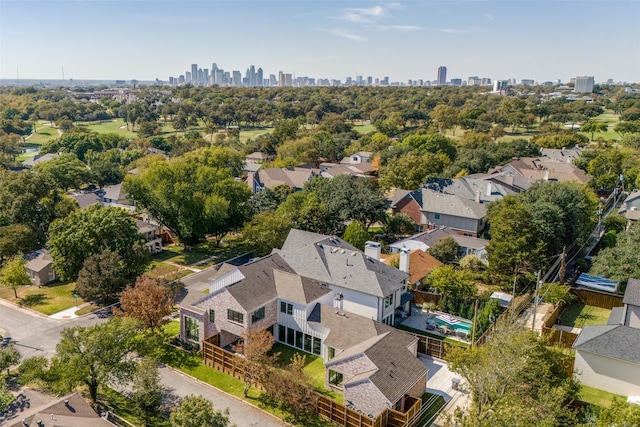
331 260
615 341
469 188
202 279
294 288
433 236
434 201
632 293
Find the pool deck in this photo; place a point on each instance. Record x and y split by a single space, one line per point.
418 320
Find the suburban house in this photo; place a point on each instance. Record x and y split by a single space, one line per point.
331 170
70 410
417 263
542 169
607 356
114 195
567 155
151 234
322 296
294 177
470 187
40 267
429 238
253 162
38 158
359 157
631 207
431 209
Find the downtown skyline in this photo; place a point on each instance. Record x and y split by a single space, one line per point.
148 40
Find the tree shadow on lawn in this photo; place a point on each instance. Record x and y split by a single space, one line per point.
176 357
33 300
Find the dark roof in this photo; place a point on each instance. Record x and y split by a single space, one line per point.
632 293
86 199
76 412
615 341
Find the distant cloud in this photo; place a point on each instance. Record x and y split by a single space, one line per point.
403 28
367 15
489 16
341 33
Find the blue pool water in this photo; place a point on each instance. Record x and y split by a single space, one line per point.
461 326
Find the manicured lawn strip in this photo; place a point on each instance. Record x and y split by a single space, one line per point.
597 397
42 135
47 299
364 128
314 368
438 337
202 251
125 408
579 315
172 328
110 126
253 133
435 403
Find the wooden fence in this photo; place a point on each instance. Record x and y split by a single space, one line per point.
420 297
337 413
597 299
432 346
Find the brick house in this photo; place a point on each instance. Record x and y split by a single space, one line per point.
317 294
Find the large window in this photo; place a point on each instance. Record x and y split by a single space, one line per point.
300 340
335 378
234 316
388 301
212 316
286 308
332 352
191 329
257 315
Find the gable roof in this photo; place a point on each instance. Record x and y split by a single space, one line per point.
69 411
448 204
297 289
542 168
39 260
615 341
420 264
470 188
331 260
632 293
431 237
114 192
630 206
294 177
86 199
39 158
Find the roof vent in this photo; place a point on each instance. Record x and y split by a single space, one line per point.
353 253
343 251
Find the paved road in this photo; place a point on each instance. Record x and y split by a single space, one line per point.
240 413
35 334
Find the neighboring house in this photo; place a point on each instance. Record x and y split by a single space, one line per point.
40 267
417 263
359 157
567 155
69 411
253 162
631 207
431 209
294 177
322 296
535 169
152 235
86 199
39 158
470 187
114 195
607 356
429 238
331 170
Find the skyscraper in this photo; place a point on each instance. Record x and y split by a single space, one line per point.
194 72
442 75
260 77
584 84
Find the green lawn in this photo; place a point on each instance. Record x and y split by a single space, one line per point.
110 126
252 133
172 328
176 254
42 135
611 120
435 403
47 299
597 397
364 128
578 315
314 368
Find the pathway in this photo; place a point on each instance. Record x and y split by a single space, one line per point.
440 382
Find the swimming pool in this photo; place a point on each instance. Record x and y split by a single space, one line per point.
461 326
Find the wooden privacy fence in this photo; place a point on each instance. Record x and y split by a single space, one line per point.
337 413
420 297
597 299
432 346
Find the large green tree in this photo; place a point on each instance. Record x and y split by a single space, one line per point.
95 356
147 390
515 379
92 231
411 170
621 262
266 231
192 196
196 411
14 273
66 171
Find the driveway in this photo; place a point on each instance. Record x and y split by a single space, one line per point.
440 382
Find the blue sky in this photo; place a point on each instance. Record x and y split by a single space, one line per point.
540 40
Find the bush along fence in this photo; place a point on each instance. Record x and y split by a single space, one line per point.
323 406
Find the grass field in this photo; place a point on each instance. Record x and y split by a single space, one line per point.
434 403
111 126
611 120
597 397
578 315
47 299
42 135
314 368
364 128
252 133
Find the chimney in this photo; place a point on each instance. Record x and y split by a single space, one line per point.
489 190
546 174
372 250
404 260
478 193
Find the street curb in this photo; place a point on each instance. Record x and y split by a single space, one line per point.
284 423
24 309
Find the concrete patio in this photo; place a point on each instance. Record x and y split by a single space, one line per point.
418 320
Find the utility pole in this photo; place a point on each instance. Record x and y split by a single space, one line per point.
513 302
535 304
475 320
